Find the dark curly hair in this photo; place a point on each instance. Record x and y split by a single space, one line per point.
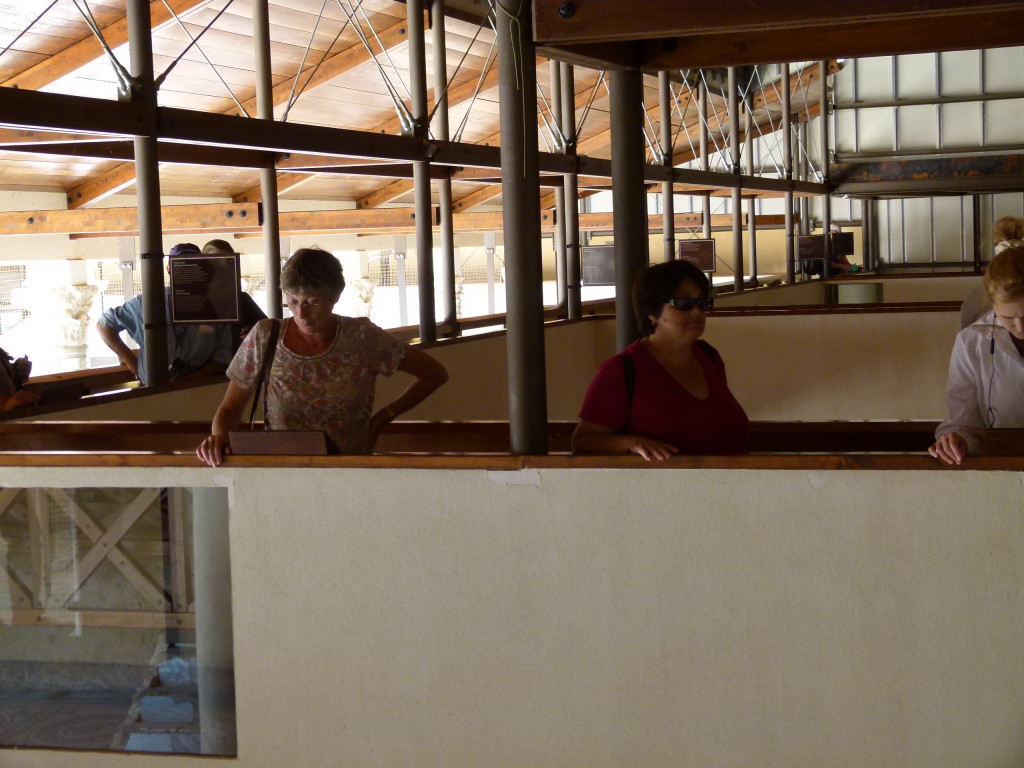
656 284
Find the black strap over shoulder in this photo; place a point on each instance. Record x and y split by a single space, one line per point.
630 374
710 351
263 382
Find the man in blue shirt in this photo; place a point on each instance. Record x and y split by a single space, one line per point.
193 349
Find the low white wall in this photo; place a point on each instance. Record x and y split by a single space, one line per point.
838 366
953 288
614 618
811 292
784 367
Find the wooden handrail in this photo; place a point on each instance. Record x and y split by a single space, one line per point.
452 437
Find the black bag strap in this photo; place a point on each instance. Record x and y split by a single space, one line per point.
630 374
263 382
710 351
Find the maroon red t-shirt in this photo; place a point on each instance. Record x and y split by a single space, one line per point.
663 409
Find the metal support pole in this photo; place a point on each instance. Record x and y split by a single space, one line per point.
705 160
629 195
667 188
868 232
147 184
268 176
976 220
570 186
787 164
211 546
737 239
752 238
826 199
737 200
803 167
517 91
790 242
558 233
446 233
421 171
748 147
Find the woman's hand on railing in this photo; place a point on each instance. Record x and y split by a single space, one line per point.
951 448
212 450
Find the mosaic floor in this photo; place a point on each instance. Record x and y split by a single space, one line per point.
92 721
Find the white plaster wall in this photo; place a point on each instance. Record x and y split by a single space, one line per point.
792 367
615 618
930 289
839 366
786 367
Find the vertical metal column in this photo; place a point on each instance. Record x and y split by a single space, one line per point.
868 227
748 145
976 221
558 233
268 176
572 194
211 548
804 166
446 233
667 187
737 199
787 165
826 199
517 91
421 171
147 184
752 238
629 195
705 160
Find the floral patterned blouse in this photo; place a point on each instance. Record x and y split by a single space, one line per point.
332 391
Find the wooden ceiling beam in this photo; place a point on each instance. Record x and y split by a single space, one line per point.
582 98
285 181
12 137
903 36
288 162
89 49
333 66
244 220
101 187
122 221
595 21
475 198
112 181
167 152
385 194
457 95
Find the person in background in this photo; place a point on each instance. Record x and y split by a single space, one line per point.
13 375
666 393
193 349
325 366
249 311
985 389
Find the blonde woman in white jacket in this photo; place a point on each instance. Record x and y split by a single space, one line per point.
986 370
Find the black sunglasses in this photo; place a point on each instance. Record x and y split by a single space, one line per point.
687 303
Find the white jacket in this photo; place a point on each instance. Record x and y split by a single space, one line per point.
986 383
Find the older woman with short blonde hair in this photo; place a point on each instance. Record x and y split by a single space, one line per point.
324 368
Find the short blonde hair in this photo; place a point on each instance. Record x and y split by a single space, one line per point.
1005 274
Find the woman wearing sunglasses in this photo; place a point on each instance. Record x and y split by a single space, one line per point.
667 392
